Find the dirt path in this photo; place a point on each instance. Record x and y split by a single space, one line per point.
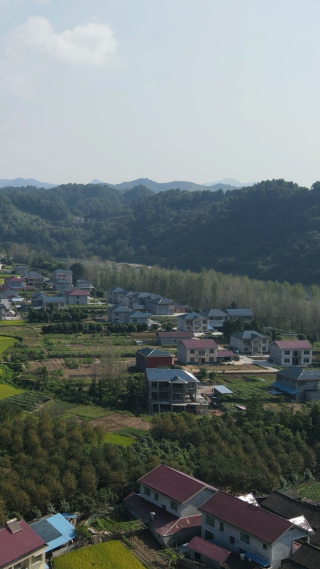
146 551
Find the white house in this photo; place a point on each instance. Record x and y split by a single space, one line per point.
249 342
215 317
192 322
289 353
245 528
168 501
198 352
21 547
76 296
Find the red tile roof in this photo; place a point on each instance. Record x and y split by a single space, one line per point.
175 334
164 523
199 344
294 345
77 292
13 546
224 354
250 519
176 485
208 549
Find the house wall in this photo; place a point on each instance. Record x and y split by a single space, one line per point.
250 346
286 358
156 362
196 355
283 547
189 508
162 501
302 387
169 341
28 561
222 538
57 305
81 299
195 325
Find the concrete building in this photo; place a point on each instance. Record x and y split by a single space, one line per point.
21 547
152 358
288 353
174 390
76 296
192 322
197 352
168 502
301 384
249 342
61 278
247 529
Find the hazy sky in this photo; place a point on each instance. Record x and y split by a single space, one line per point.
194 90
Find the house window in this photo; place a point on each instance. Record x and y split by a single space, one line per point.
211 359
211 351
146 491
264 545
264 341
209 535
221 526
231 539
37 559
192 351
287 353
17 566
286 361
210 520
174 505
197 556
191 359
156 496
245 537
154 384
306 352
306 360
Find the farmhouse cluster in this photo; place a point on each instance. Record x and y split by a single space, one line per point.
211 527
58 292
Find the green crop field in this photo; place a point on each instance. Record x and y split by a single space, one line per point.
87 412
10 323
6 343
110 555
248 386
311 491
118 440
8 391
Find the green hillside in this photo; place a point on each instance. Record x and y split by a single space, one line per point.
268 231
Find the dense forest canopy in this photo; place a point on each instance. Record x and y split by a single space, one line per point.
268 231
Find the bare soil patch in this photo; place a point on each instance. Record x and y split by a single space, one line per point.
116 421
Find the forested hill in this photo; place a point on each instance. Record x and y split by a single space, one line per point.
268 231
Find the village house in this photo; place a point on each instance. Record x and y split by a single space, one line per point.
21 547
215 317
170 338
33 279
197 352
116 314
76 296
20 270
43 301
289 353
289 508
305 557
168 503
192 322
137 317
84 284
154 303
152 358
249 342
15 282
244 528
239 313
160 306
206 552
61 278
174 390
301 384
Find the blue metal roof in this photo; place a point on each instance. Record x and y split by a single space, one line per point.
55 531
256 559
274 392
284 388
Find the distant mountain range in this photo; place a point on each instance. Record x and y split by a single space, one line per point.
156 187
161 187
231 182
25 182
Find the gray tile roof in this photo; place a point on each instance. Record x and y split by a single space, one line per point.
236 312
287 507
170 375
299 374
249 335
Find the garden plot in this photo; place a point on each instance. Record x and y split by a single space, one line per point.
82 372
110 555
117 421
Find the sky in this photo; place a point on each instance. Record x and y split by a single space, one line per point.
196 90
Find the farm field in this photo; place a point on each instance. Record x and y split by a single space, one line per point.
6 343
110 555
116 421
115 439
8 391
244 387
11 323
